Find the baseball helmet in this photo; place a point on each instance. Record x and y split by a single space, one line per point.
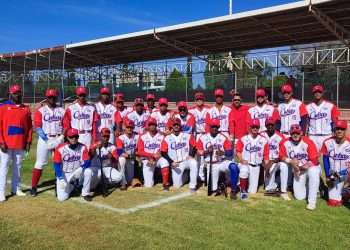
317 88
182 104
341 124
260 93
214 123
269 121
72 132
119 97
80 91
163 101
105 90
129 123
150 97
15 89
151 121
51 93
219 92
286 88
255 123
105 132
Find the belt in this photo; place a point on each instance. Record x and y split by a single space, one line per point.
84 131
254 165
320 135
54 135
285 133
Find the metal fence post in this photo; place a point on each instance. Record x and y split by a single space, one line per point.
338 83
302 86
272 87
63 67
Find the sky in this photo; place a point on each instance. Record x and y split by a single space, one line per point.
34 24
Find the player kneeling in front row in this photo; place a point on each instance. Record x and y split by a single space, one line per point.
274 139
336 161
252 152
178 149
72 167
105 156
301 154
218 147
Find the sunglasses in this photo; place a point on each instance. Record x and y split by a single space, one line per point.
73 137
83 95
182 109
255 127
236 100
286 93
342 129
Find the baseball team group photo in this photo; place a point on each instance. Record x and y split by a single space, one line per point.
224 133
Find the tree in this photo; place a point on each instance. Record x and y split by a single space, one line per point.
176 82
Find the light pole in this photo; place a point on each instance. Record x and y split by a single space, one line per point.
230 7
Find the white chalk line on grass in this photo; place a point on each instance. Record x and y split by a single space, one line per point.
134 209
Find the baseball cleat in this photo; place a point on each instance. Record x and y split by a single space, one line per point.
2 198
166 188
193 190
123 187
271 192
233 195
19 193
33 192
87 198
285 196
244 196
311 206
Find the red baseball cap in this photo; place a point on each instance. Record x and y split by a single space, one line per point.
138 101
80 90
260 93
15 89
129 123
341 124
199 96
151 121
105 132
175 121
105 90
255 123
150 97
72 132
163 101
219 92
119 97
51 93
295 129
317 88
286 88
182 104
214 123
269 121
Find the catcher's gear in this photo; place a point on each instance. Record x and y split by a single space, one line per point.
53 143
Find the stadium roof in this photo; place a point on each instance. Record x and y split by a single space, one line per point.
283 25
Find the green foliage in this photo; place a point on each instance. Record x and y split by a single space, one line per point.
176 82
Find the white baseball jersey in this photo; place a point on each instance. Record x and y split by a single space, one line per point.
139 120
199 116
339 154
321 117
125 111
50 120
291 113
80 117
178 147
274 144
107 115
219 142
162 120
222 115
149 145
262 113
69 158
305 151
187 123
253 150
128 144
105 160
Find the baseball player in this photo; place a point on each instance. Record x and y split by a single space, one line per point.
199 110
238 118
105 153
48 122
322 116
107 113
72 167
219 111
187 119
162 116
336 162
178 149
274 139
15 138
148 148
262 110
151 107
83 117
219 147
252 152
291 111
139 116
126 147
301 154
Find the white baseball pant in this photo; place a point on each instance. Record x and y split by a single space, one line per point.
16 156
42 154
335 193
252 173
112 176
312 177
85 139
270 180
127 169
148 171
218 168
200 165
318 140
177 173
84 177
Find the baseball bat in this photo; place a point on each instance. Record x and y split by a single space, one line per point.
103 180
205 171
210 181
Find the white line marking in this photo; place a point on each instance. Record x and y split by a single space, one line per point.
155 203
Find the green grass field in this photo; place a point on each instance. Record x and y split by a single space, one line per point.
193 222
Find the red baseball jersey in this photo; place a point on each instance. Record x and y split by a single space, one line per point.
15 126
238 121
